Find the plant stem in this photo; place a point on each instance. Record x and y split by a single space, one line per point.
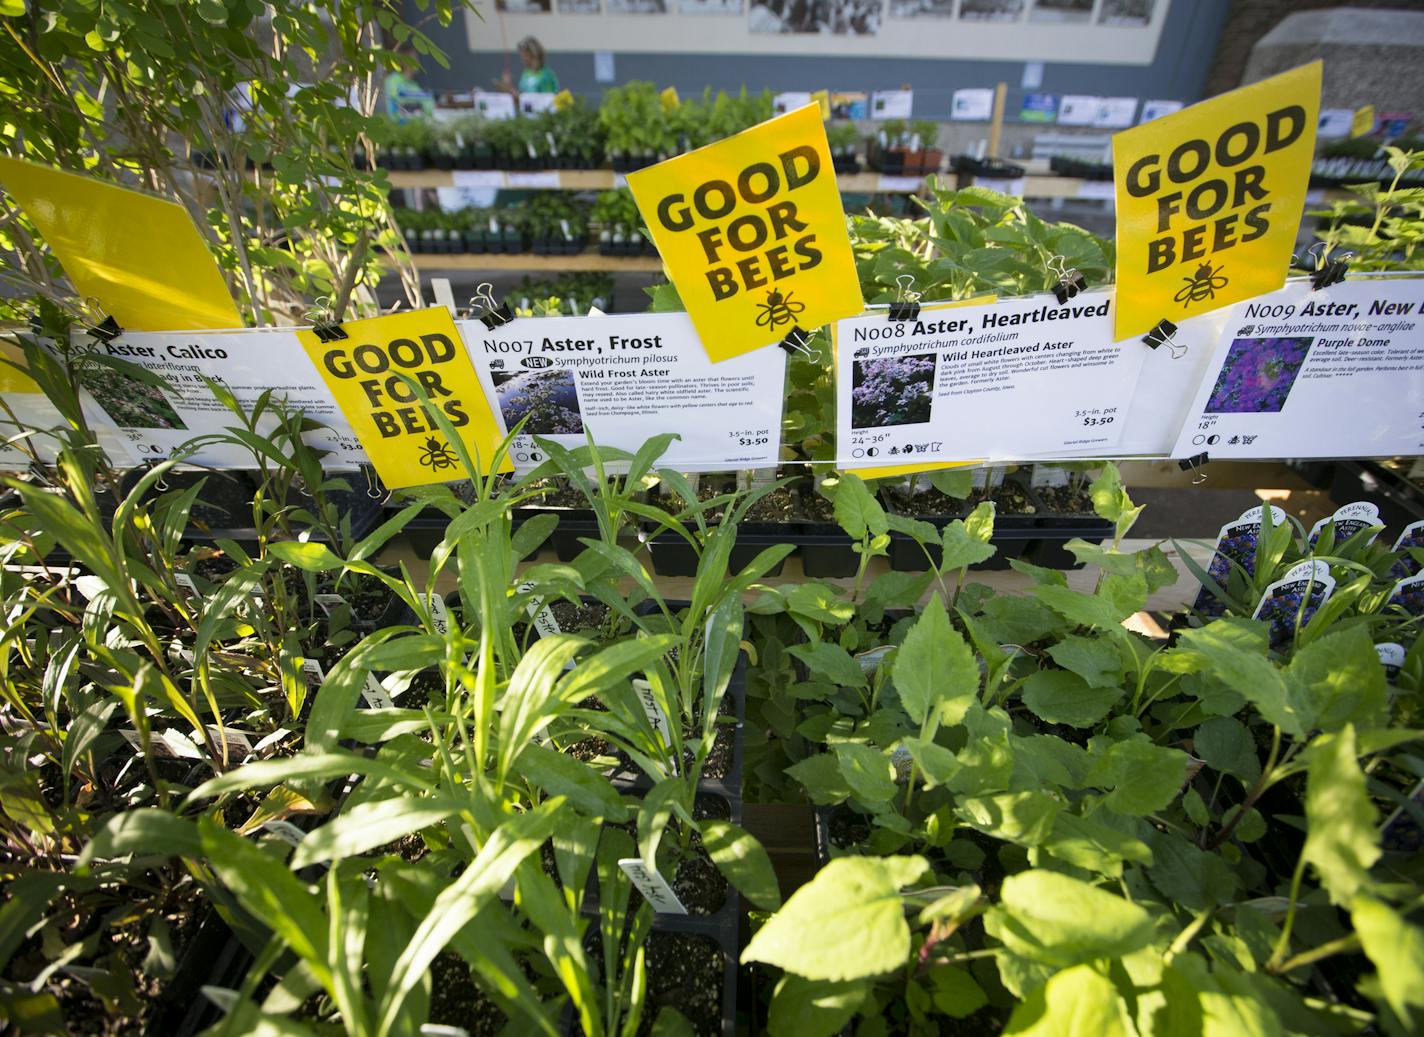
1349 942
1251 796
1283 942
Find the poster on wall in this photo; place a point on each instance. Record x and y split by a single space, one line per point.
523 6
991 10
1115 113
637 6
628 378
850 104
975 104
1061 11
710 6
1156 109
921 8
1126 13
580 6
892 104
1287 360
1038 108
1077 110
827 17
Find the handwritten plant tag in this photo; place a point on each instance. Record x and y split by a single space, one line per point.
653 886
375 694
1289 603
1391 657
329 603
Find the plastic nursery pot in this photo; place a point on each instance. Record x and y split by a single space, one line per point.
1013 532
825 547
574 521
224 507
1064 515
213 958
674 556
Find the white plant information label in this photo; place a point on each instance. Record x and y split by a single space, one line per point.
155 422
1016 379
656 717
439 614
1287 359
374 694
626 379
543 618
653 886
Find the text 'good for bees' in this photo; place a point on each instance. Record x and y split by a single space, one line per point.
405 382
1209 200
752 233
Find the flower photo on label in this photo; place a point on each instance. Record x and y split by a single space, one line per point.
893 391
550 398
1257 375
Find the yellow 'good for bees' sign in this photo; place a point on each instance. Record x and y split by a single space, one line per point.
402 437
1209 200
752 233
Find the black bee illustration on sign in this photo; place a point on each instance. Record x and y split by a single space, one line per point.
1202 286
437 456
777 310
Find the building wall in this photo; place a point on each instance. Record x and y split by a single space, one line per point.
1166 60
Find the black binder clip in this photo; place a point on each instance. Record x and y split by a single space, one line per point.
797 341
495 313
1327 271
1162 334
1070 281
106 330
907 307
324 324
1195 463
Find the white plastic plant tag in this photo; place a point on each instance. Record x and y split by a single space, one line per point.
439 614
238 744
312 673
656 717
1412 536
1236 542
1408 594
565 229
653 886
374 695
90 586
285 830
1048 477
440 1030
329 603
1391 657
1290 602
543 618
1349 519
187 587
271 740
172 745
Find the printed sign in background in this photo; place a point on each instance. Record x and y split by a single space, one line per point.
1209 200
403 440
752 233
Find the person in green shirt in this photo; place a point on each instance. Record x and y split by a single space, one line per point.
404 96
537 77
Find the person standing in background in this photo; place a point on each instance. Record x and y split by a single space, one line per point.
537 77
404 96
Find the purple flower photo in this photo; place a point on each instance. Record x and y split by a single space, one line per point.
892 391
1238 544
1290 604
1257 375
1407 565
549 397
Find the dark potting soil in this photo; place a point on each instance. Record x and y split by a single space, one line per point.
846 828
686 973
927 503
817 508
426 687
697 882
572 618
136 996
224 502
1065 500
777 506
1008 498
456 1000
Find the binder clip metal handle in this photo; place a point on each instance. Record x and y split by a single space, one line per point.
798 340
907 306
1162 334
1327 271
101 326
324 324
106 330
495 313
1070 281
1195 463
